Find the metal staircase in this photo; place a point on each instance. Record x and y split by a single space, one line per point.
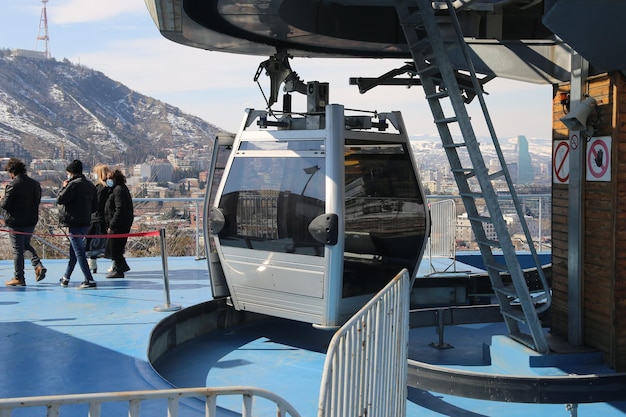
448 88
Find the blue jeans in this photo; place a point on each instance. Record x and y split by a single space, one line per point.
21 244
77 253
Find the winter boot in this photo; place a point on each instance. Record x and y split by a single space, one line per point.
116 272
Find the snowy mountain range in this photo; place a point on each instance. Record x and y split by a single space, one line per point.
55 109
431 155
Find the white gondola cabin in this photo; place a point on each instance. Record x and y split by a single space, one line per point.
315 214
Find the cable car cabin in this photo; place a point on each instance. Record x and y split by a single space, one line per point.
309 221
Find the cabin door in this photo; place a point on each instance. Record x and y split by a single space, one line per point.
272 263
222 148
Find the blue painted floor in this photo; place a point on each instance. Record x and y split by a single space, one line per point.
267 355
56 340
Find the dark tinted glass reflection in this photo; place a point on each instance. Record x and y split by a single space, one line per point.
269 202
385 216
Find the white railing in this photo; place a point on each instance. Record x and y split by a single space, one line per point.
365 373
537 212
442 233
442 240
53 403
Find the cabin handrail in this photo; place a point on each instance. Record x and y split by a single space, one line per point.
134 398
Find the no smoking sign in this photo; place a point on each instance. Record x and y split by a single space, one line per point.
560 162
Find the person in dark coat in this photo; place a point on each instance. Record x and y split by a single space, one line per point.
97 226
75 202
119 216
21 214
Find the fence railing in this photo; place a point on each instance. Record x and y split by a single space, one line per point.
54 403
442 240
537 210
182 218
365 373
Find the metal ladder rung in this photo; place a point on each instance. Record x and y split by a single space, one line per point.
473 195
429 70
447 120
454 145
438 95
539 297
514 314
482 219
508 290
488 242
467 172
495 175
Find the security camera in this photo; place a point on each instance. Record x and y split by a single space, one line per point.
576 120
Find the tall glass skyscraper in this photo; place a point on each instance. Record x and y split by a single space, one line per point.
525 173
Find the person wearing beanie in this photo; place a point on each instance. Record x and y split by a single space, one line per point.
21 214
76 203
75 167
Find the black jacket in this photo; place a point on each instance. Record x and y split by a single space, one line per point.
77 202
118 210
102 194
21 202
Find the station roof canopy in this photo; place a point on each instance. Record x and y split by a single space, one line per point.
529 40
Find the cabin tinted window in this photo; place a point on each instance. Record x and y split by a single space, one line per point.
269 202
385 215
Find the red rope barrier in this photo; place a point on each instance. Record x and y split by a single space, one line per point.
116 235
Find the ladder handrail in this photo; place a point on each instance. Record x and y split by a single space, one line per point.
440 81
494 138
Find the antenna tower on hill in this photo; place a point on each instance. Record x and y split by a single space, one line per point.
43 30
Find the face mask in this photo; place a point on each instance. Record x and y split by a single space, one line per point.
109 183
69 176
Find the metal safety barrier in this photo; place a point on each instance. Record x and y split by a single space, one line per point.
442 239
48 224
365 373
442 230
53 403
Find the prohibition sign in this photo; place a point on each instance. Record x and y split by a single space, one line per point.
560 162
598 157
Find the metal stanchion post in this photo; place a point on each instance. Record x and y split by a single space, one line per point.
197 232
167 306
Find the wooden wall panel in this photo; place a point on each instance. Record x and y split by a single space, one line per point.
600 223
560 194
604 220
618 322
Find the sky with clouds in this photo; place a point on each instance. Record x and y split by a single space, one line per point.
119 38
